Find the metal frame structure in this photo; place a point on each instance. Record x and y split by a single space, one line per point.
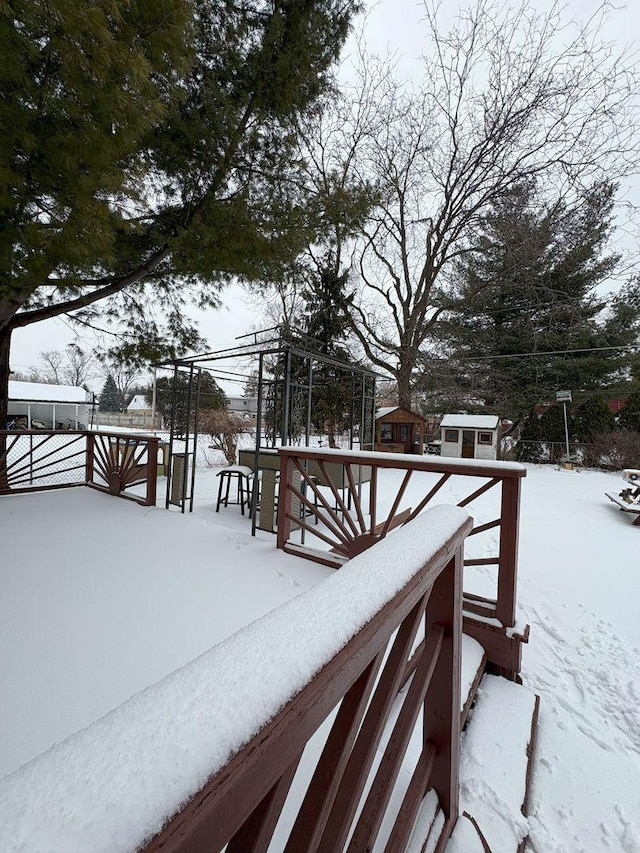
286 387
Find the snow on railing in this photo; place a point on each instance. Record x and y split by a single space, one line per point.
213 748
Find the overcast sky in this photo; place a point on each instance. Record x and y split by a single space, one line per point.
391 25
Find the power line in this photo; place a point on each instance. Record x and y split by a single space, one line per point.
535 353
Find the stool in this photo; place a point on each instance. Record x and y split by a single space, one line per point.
241 474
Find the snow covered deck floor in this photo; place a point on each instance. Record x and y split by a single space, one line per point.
101 597
579 569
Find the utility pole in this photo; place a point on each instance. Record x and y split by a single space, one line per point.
564 397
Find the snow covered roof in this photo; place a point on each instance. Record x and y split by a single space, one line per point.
471 421
138 402
385 410
43 393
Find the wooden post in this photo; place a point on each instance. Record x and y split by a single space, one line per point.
152 470
508 566
89 460
284 500
442 703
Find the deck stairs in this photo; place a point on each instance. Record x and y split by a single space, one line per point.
499 719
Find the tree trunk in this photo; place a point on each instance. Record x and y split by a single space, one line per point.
331 433
5 346
403 379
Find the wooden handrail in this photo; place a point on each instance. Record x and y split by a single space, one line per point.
298 467
240 716
466 467
241 805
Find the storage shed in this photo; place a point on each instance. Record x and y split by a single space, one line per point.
56 406
470 436
399 430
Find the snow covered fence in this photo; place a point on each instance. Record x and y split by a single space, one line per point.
215 746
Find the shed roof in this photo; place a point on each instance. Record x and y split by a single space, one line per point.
471 421
39 392
385 411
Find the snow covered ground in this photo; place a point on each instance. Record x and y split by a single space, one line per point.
92 612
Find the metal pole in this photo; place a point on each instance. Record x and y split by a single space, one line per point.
256 457
352 413
286 399
187 441
174 392
566 428
195 442
307 434
154 396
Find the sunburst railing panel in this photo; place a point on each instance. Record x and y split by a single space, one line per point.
33 460
117 463
342 798
347 516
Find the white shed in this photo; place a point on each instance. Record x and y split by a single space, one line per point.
470 436
56 406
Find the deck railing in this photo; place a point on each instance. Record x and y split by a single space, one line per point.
38 460
346 800
210 753
341 513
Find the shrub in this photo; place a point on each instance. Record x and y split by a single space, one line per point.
630 413
593 418
616 450
224 429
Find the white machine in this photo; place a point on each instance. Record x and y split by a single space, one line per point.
632 494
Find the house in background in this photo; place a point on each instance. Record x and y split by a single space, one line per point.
399 430
139 404
245 408
470 436
55 406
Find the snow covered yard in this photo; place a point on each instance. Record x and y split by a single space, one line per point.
101 597
93 612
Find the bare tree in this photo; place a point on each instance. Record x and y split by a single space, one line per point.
507 95
73 366
80 365
51 371
339 198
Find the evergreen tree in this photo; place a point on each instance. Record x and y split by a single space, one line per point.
629 418
326 310
553 430
530 447
110 398
526 290
592 418
211 397
148 153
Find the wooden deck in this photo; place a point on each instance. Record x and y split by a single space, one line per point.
387 713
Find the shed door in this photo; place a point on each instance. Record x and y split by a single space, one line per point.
468 443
